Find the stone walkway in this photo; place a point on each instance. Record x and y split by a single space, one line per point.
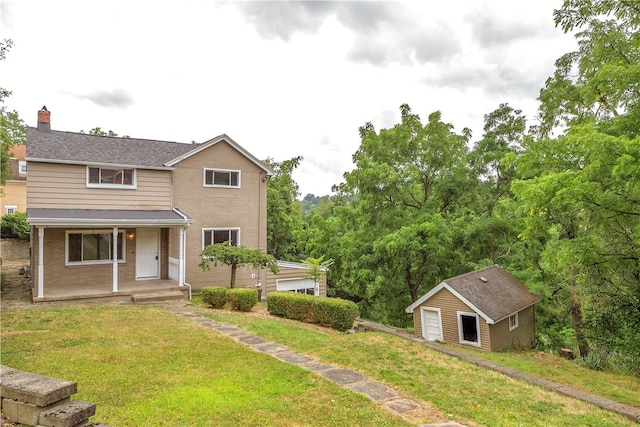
353 380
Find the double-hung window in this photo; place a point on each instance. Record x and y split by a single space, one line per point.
22 167
513 321
221 178
211 236
111 177
93 247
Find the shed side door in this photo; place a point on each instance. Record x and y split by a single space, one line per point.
431 323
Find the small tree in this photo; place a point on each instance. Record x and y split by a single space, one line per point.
317 267
235 256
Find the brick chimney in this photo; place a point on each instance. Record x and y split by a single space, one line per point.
44 119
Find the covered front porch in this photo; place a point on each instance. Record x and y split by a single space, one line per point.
129 291
107 254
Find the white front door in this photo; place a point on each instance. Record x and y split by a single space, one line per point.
431 323
147 253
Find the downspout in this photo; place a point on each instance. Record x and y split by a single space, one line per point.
40 262
182 253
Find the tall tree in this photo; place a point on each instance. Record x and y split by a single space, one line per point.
284 216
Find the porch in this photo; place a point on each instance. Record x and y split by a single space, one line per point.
140 291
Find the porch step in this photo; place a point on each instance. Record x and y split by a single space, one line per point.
157 296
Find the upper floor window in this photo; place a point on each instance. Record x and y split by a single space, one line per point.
221 178
93 247
22 166
211 236
111 178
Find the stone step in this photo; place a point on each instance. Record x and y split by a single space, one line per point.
157 296
68 414
32 388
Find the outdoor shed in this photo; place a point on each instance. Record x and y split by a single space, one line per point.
487 308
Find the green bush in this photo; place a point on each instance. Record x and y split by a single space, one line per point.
215 297
242 299
14 226
336 313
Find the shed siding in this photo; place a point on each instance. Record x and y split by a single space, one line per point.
61 186
521 337
449 305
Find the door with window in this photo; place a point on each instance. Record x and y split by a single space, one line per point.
147 253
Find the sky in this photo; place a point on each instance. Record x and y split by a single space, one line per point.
282 79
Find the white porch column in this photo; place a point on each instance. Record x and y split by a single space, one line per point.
40 262
115 259
181 251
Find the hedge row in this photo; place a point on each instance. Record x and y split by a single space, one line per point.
241 299
336 313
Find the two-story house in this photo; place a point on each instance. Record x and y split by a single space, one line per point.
112 216
14 192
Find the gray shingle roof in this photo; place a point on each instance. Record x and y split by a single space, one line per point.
46 216
498 297
70 147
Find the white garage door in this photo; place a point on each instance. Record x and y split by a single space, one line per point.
431 324
305 286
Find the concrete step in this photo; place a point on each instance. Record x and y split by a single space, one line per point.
157 296
32 388
68 414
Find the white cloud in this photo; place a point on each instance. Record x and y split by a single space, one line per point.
281 78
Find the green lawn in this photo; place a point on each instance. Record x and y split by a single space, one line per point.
146 366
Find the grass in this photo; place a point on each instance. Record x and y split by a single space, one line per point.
455 387
146 366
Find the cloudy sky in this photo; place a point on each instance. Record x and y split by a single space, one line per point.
283 79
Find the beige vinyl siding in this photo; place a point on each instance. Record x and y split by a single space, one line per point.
521 337
225 208
59 186
449 305
291 273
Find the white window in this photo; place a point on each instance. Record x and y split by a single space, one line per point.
513 321
299 286
469 328
111 177
211 236
22 166
221 178
10 209
93 247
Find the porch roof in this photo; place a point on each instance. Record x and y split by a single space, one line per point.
104 217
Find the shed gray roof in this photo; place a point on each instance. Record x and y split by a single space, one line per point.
492 292
104 217
81 148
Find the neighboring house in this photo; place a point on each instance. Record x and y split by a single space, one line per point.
294 277
110 215
487 308
14 197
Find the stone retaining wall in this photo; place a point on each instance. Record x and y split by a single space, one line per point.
11 249
35 400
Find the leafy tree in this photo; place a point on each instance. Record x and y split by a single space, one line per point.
235 256
15 226
317 268
99 132
12 129
284 217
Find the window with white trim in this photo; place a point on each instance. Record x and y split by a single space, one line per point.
22 167
513 321
111 177
10 209
211 236
469 328
93 247
221 178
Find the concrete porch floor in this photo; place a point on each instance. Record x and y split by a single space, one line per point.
104 292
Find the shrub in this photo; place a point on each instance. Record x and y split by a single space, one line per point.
215 297
242 299
15 226
336 313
